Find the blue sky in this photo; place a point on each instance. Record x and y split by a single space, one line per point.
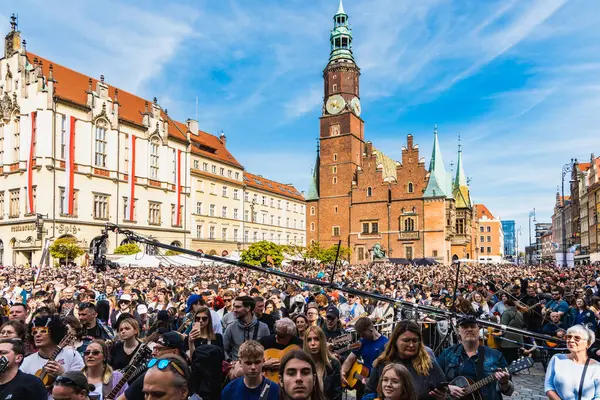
519 80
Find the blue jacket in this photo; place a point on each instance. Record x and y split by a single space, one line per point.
451 362
587 317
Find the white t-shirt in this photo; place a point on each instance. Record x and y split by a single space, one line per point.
69 358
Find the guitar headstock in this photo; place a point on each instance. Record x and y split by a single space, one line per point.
341 340
68 340
520 364
142 355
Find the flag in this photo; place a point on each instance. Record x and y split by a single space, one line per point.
131 178
70 167
178 189
30 137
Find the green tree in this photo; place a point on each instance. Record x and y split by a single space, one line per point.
328 255
65 248
127 249
171 253
258 252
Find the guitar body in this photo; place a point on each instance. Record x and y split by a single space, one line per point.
357 373
463 382
278 354
45 377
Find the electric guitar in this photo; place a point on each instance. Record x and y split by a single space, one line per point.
134 369
471 388
45 377
278 354
357 373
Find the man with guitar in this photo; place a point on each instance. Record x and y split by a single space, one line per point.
372 344
278 344
471 360
54 356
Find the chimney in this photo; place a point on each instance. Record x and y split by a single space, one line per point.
192 126
223 139
368 149
409 142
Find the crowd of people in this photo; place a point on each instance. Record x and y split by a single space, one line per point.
226 332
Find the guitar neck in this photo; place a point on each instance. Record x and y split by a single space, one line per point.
478 385
126 376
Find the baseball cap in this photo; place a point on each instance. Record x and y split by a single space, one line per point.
142 309
193 299
125 297
467 320
333 311
172 340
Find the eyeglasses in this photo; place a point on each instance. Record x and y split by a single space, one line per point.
577 339
124 302
92 353
64 381
413 340
162 364
203 319
41 330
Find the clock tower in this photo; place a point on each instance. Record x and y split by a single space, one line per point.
341 134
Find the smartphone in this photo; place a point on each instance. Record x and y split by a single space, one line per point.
196 325
442 386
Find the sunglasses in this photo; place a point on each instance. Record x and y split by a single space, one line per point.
227 300
577 339
162 364
203 319
92 353
64 381
330 317
42 330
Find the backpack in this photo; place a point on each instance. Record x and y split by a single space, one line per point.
207 365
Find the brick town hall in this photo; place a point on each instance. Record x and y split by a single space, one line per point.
362 197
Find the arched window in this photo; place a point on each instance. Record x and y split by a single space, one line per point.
100 144
154 158
369 191
312 226
409 225
410 187
312 210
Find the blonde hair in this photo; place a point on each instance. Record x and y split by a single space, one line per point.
422 362
107 371
323 349
251 349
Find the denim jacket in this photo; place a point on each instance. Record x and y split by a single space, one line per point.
451 362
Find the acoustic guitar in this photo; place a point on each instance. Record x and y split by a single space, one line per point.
133 370
45 377
350 347
278 354
357 373
471 388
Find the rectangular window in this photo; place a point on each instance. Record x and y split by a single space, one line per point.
199 207
335 180
196 164
237 176
335 209
255 236
287 222
246 196
63 136
213 188
481 229
272 201
489 250
272 219
246 215
278 221
198 231
489 228
235 194
489 238
255 216
245 236
154 160
235 213
100 147
229 173
334 169
264 200
224 212
374 227
336 231
409 252
365 228
482 239
214 169
100 206
222 171
334 157
279 204
224 234
205 167
15 204
126 208
235 235
211 211
211 233
360 253
224 191
264 235
174 215
434 253
153 213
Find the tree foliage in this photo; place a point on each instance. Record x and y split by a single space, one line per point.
171 253
328 255
258 252
65 248
128 249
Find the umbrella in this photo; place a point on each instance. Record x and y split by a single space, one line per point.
401 261
425 261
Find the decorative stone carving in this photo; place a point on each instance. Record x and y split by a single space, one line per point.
8 106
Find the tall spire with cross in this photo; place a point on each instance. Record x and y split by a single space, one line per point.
460 190
437 186
341 36
313 189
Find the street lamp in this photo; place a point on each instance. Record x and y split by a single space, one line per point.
531 214
517 234
565 170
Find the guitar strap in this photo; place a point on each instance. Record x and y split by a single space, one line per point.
582 379
480 359
265 392
255 334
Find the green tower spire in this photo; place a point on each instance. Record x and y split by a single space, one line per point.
313 189
341 36
438 177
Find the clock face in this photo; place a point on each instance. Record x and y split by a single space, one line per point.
355 104
335 104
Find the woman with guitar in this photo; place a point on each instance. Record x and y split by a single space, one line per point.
406 347
328 367
97 370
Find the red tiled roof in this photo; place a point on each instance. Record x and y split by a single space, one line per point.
258 182
584 166
483 211
72 86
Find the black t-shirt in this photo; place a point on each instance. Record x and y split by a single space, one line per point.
135 391
118 358
23 386
269 320
269 342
